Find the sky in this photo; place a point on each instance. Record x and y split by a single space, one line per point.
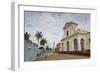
51 24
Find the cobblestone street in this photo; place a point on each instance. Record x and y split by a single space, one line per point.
57 56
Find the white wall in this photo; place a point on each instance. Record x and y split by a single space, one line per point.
5 32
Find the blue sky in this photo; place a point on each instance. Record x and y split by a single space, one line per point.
51 24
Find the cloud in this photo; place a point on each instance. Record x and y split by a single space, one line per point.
51 24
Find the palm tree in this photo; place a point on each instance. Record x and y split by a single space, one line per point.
43 42
26 36
47 47
38 35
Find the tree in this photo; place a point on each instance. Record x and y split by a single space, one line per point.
38 35
47 47
43 42
26 36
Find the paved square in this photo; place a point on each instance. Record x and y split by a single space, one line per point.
57 56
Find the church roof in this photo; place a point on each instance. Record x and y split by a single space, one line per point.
69 23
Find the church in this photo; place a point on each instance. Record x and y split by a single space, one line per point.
74 38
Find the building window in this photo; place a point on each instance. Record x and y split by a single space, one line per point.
75 45
67 33
89 40
82 44
67 45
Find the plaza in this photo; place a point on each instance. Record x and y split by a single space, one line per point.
57 56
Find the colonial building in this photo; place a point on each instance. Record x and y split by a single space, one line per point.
57 49
74 38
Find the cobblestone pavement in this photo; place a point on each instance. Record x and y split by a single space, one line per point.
56 56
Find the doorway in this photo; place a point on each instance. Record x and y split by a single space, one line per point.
82 44
75 45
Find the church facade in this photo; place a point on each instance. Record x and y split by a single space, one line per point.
74 38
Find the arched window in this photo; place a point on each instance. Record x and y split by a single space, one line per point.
67 45
67 33
89 41
82 44
75 45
